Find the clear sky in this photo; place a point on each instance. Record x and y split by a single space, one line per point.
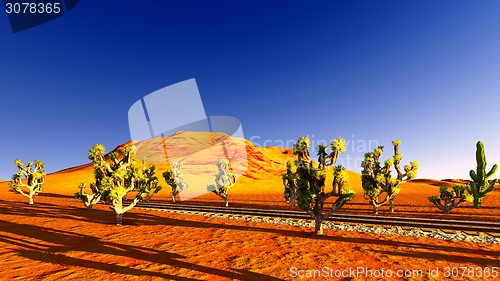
426 72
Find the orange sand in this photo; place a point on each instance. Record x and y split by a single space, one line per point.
57 238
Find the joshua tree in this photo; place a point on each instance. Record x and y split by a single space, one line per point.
450 198
311 193
377 179
117 177
89 200
149 182
480 185
290 184
175 179
103 172
33 175
224 180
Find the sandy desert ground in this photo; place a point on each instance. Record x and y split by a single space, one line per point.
57 238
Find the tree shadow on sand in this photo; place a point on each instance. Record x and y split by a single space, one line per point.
346 239
47 210
135 218
52 244
433 256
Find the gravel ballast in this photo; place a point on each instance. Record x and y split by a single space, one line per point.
378 229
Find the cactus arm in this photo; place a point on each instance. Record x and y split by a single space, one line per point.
492 172
473 189
489 189
473 175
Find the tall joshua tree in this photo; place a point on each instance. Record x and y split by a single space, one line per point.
311 193
480 185
117 177
175 179
290 184
28 179
224 180
377 179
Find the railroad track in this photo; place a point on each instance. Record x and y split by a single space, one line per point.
470 227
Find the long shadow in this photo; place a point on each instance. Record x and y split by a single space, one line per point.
47 210
310 235
445 257
67 241
146 219
70 261
54 195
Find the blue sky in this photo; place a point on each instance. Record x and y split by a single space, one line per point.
427 72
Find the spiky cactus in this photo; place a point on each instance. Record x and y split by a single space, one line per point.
377 179
480 185
28 179
290 184
175 179
450 198
117 176
224 180
311 193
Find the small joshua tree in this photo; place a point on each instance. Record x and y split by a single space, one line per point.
224 180
376 179
290 184
175 179
149 182
89 200
450 198
102 173
33 175
117 177
311 193
480 185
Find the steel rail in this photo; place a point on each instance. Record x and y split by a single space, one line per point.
442 224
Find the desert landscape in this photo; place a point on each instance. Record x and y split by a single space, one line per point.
58 238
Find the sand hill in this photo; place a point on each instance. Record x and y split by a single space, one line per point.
261 170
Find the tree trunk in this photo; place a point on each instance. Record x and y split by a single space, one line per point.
173 198
318 226
375 210
391 205
226 201
119 219
477 202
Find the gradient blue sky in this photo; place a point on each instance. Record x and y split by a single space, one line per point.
427 72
